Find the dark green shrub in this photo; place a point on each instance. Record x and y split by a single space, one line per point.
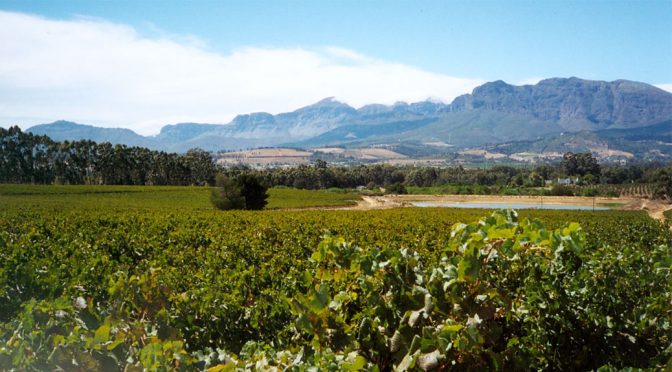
396 188
227 194
243 192
562 190
253 190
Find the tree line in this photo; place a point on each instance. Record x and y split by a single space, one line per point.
583 166
29 158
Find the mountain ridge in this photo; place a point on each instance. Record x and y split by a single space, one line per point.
495 112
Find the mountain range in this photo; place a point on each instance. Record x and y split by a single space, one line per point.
548 116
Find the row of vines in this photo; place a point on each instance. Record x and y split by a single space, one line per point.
378 290
637 190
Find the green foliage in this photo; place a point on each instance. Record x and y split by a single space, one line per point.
589 192
253 190
663 187
534 179
243 192
561 190
505 295
582 164
129 330
284 198
227 194
173 198
194 289
29 158
396 188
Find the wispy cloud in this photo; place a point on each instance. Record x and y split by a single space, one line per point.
98 72
667 87
529 81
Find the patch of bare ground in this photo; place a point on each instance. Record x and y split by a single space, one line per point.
486 154
514 199
655 208
378 202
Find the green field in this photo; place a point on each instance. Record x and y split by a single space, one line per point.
281 198
131 277
153 197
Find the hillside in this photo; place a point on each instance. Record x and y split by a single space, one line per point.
68 131
575 104
652 143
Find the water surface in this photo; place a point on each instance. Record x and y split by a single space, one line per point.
487 205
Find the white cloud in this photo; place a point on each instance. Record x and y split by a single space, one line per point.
666 87
97 72
529 81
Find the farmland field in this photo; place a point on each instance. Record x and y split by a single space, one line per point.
152 197
115 277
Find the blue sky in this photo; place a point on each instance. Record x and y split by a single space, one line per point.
279 55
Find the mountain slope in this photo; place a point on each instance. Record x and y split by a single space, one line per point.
651 142
498 112
575 104
68 131
493 113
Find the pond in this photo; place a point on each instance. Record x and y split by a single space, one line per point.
510 206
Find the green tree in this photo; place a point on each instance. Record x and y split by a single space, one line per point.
663 187
201 166
562 190
245 191
227 194
396 188
535 180
253 190
580 164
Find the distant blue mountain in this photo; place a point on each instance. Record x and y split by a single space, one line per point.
493 113
68 131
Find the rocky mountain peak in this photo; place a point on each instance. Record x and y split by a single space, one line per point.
327 103
577 104
254 118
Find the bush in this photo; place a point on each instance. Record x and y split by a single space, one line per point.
396 188
562 190
464 190
243 192
254 191
227 194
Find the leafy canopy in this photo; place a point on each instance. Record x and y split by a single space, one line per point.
242 192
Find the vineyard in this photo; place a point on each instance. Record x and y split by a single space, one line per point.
637 190
130 285
124 198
